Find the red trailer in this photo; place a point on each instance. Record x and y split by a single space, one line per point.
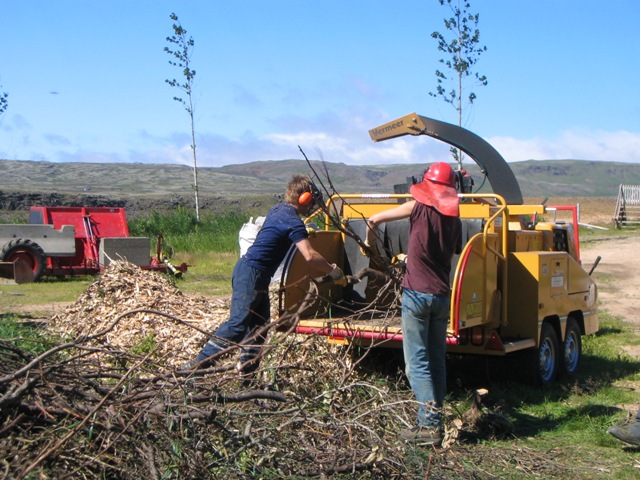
59 241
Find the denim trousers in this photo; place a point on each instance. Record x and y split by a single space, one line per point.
249 311
424 338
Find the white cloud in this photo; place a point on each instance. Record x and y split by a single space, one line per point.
335 136
215 150
577 144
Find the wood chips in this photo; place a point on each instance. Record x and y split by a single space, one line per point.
124 287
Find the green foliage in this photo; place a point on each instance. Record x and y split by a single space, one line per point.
26 336
174 223
462 52
145 346
182 56
182 60
183 232
4 103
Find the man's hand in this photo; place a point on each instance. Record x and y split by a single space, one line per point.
401 258
337 276
369 250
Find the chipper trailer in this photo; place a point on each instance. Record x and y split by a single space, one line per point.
518 285
67 241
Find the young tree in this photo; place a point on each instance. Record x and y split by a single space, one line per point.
4 103
462 51
182 59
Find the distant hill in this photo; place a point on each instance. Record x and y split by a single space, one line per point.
536 177
27 182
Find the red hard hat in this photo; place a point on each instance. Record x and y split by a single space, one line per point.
441 172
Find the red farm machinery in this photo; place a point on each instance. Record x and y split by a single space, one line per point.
66 241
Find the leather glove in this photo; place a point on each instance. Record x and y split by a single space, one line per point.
401 258
337 276
369 250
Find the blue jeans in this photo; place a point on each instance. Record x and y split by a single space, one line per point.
424 339
249 310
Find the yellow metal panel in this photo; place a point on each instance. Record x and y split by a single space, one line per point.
474 210
525 241
579 280
329 244
516 210
540 288
475 282
557 275
523 295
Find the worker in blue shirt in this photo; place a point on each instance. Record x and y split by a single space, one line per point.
252 274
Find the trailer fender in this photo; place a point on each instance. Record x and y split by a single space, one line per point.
26 250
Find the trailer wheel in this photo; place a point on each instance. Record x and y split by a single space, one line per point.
545 358
571 349
28 251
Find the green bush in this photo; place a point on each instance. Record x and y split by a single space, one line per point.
181 230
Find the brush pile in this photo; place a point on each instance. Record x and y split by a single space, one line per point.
108 401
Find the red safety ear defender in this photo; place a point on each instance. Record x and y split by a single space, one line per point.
305 198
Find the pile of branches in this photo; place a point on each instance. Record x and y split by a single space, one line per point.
108 399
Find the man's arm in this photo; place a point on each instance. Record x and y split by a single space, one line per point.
317 262
313 258
397 213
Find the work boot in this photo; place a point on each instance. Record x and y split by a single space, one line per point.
422 435
629 434
203 359
198 363
188 366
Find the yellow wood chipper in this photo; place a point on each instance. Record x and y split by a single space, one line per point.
517 286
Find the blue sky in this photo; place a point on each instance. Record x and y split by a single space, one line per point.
86 80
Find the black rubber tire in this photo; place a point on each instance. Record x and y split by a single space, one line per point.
546 358
28 251
571 349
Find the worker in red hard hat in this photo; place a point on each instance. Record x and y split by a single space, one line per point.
435 235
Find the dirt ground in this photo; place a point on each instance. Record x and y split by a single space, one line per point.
617 277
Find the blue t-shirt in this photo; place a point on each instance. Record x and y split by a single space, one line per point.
282 228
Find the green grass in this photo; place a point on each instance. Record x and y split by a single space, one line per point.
181 230
209 248
46 293
565 423
208 273
590 234
25 335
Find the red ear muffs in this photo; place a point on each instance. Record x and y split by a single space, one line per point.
305 198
